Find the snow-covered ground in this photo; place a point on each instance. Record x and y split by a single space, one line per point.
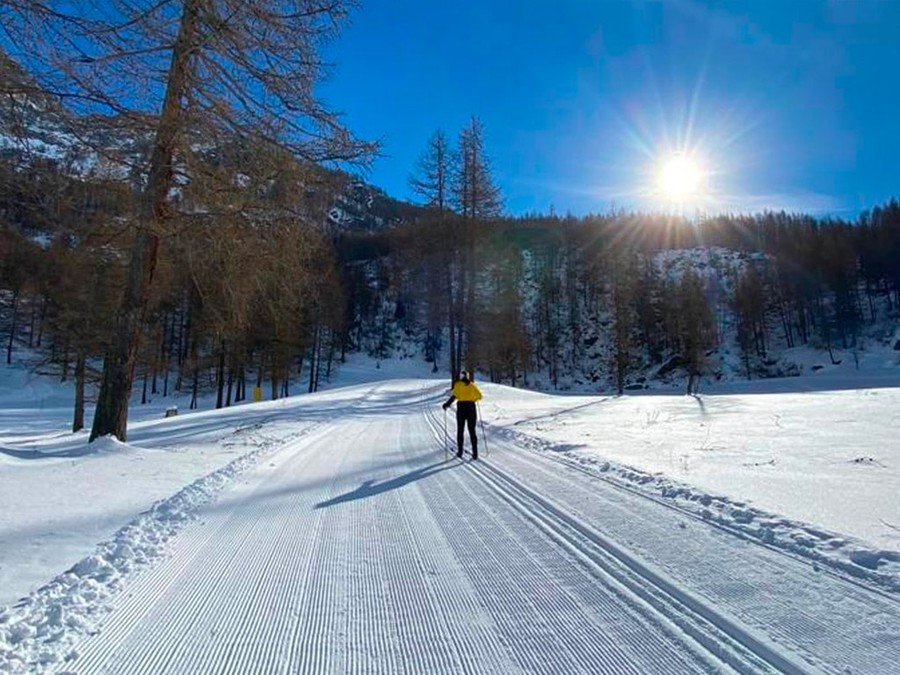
817 473
747 528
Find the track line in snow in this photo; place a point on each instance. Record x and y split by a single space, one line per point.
715 631
426 617
726 638
361 551
197 574
557 622
868 579
836 623
546 626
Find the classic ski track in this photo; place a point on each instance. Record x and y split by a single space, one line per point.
871 646
564 630
148 591
708 627
390 561
569 619
662 591
868 641
164 623
608 590
459 653
828 567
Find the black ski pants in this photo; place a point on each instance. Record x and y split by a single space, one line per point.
466 415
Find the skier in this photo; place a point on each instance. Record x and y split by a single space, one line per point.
465 393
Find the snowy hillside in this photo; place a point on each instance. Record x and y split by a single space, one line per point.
581 357
710 513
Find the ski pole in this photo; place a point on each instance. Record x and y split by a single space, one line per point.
487 451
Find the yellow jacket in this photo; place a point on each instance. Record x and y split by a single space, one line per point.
463 391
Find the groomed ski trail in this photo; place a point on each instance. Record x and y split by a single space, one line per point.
789 611
358 549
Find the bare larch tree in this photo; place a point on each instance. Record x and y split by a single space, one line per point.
187 75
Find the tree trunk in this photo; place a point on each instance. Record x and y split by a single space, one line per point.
171 346
239 378
329 363
229 388
693 384
40 334
31 327
220 377
313 360
78 416
64 363
12 327
111 416
786 324
454 364
160 354
195 387
184 330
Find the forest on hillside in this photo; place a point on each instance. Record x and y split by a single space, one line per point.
255 281
525 300
613 298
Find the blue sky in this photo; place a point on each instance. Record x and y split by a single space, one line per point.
785 103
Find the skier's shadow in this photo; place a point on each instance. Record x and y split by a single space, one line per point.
370 488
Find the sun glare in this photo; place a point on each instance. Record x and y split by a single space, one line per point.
680 178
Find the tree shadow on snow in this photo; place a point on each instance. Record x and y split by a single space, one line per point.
370 488
702 405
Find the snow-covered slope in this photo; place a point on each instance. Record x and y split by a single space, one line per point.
328 532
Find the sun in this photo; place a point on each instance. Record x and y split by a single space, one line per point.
680 178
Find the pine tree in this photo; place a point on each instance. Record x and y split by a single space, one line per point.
749 307
624 316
